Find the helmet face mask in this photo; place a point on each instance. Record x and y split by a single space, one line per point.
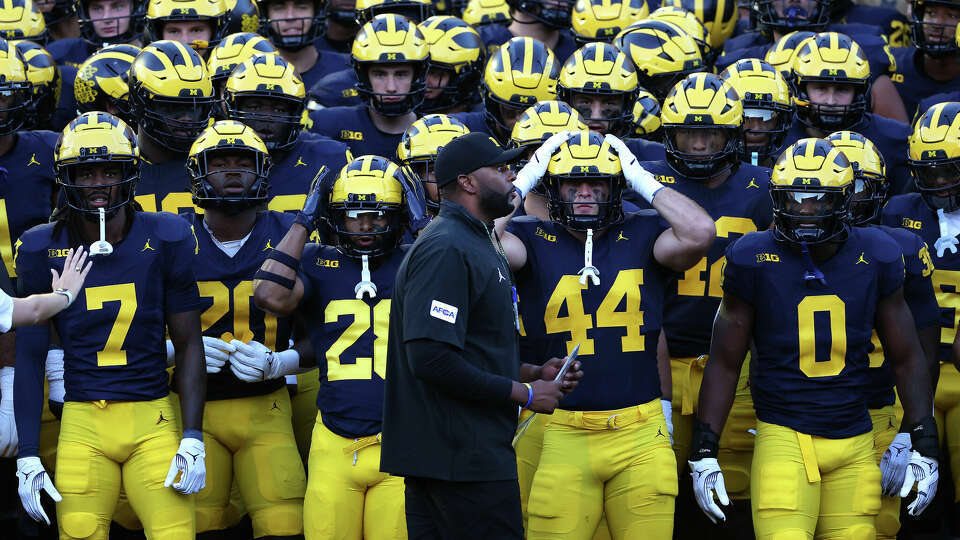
764 131
551 13
60 11
101 24
15 99
175 123
388 51
701 152
831 116
934 27
457 55
230 180
615 111
581 202
418 150
97 164
276 119
290 26
784 16
408 92
939 185
870 193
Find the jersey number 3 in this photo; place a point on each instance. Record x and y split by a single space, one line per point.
624 290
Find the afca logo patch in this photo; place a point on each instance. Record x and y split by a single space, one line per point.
444 312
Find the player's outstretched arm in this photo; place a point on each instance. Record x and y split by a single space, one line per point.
184 329
276 287
37 308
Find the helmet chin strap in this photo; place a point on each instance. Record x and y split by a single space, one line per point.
589 270
365 286
812 273
947 241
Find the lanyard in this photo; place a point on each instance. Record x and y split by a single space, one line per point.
502 256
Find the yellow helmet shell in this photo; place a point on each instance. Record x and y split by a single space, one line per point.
543 120
812 163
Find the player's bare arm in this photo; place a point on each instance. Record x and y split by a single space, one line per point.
184 329
728 347
691 231
898 335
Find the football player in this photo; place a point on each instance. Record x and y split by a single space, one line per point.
199 24
457 58
662 53
600 82
102 23
22 20
813 456
933 214
27 156
831 78
171 97
646 117
266 94
232 51
120 426
390 57
870 193
547 21
247 419
60 18
602 22
929 66
781 53
348 288
599 446
479 13
767 109
521 73
417 152
702 133
718 17
895 27
415 11
101 82
294 26
52 99
341 26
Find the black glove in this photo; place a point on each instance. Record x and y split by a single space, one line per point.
313 205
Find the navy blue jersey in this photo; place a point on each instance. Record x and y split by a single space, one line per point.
911 213
895 27
740 205
70 51
889 135
919 295
926 103
474 120
645 150
756 45
226 296
324 43
349 336
912 81
810 368
26 190
327 63
353 126
495 35
293 171
617 324
165 187
337 89
67 106
113 335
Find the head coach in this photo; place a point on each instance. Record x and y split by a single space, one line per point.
454 378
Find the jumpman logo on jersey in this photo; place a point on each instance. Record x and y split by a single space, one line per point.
268 246
299 162
33 160
500 276
861 259
147 246
620 237
161 419
752 184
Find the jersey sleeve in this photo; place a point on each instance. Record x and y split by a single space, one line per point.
34 277
918 288
436 296
181 289
738 278
890 275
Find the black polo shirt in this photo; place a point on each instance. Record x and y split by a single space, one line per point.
453 287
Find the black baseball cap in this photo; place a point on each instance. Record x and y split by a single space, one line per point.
468 153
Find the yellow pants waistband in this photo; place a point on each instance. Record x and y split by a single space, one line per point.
600 420
695 367
362 443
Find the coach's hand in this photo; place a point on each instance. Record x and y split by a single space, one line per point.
571 379
33 478
546 396
189 463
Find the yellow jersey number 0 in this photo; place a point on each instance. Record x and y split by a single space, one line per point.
624 290
836 310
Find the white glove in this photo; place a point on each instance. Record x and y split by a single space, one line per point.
8 424
171 354
188 462
254 361
668 416
34 478
533 171
216 352
54 370
925 472
893 464
638 178
707 480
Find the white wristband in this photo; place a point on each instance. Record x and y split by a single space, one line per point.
645 184
524 182
67 293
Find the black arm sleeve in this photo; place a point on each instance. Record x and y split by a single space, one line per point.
443 366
